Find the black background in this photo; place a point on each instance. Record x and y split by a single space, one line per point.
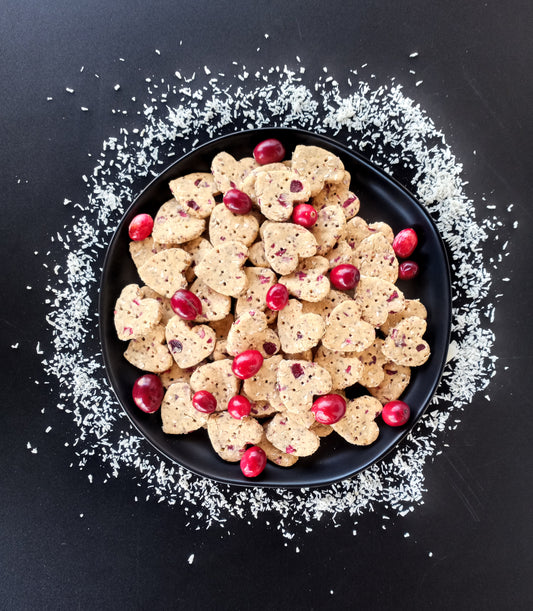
69 544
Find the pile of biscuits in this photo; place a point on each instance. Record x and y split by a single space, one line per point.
323 341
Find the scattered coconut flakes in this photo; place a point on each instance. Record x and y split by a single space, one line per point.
386 126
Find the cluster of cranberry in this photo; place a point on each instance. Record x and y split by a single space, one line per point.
148 391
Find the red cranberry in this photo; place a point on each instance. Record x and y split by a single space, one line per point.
253 461
237 201
269 151
204 402
395 413
239 406
329 409
408 270
344 276
405 242
304 215
247 364
148 392
186 304
277 297
140 227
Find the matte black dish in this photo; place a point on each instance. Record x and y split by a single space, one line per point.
383 199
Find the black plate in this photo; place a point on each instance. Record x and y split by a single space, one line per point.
382 198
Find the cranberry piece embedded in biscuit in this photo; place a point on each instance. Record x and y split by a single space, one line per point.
204 402
344 276
148 393
407 270
396 413
277 297
405 242
253 461
269 151
141 227
186 304
237 201
329 409
247 364
239 407
304 215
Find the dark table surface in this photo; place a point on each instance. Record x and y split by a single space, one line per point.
71 543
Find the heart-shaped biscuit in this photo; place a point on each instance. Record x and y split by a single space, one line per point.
189 344
259 282
344 368
345 329
174 225
142 250
298 331
299 382
286 244
163 272
133 315
404 344
278 457
395 380
250 331
357 425
263 385
357 230
178 414
412 307
308 281
377 298
372 360
338 194
317 165
256 255
226 226
230 436
222 268
277 192
195 192
288 435
230 173
214 305
218 379
375 257
329 228
149 352
340 254
197 248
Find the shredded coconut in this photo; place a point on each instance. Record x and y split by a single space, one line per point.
175 115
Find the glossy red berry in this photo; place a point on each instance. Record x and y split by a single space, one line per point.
239 407
395 413
186 304
277 297
269 151
253 461
344 277
204 402
148 392
247 364
140 227
405 243
329 409
237 201
304 215
408 270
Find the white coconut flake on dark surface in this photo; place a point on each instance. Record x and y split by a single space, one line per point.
175 115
